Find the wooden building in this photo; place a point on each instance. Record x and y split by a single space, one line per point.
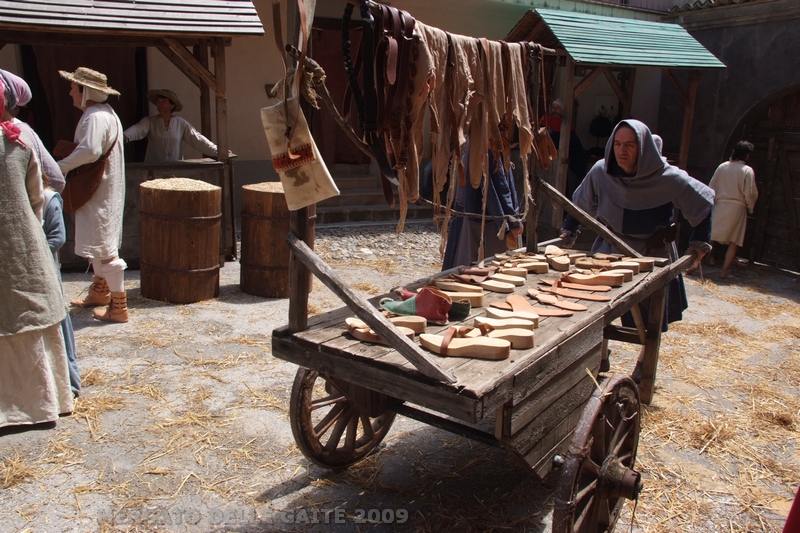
112 37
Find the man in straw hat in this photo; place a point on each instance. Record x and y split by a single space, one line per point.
98 223
166 132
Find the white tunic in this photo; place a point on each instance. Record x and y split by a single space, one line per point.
735 186
98 224
166 144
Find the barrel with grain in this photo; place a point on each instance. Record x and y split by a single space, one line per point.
265 254
179 231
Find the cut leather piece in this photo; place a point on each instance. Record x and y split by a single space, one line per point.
552 299
475 298
452 285
474 347
520 338
646 264
485 283
514 271
501 310
563 282
506 278
607 257
504 323
554 251
604 278
627 275
633 266
413 322
575 256
494 312
560 263
537 267
569 293
591 263
477 271
361 331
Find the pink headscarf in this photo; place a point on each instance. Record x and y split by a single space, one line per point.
11 131
17 91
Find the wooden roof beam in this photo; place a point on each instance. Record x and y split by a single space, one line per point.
176 60
192 62
618 90
676 85
588 80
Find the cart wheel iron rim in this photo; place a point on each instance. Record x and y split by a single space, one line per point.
597 474
330 429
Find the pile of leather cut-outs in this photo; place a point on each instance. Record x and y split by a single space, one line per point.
507 324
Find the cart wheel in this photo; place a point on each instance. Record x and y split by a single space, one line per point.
328 428
598 469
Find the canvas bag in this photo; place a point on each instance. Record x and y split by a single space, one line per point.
305 179
303 173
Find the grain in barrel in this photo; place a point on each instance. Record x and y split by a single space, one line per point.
179 231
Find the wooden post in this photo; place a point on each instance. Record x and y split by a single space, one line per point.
201 53
223 143
535 81
688 116
564 138
300 225
649 357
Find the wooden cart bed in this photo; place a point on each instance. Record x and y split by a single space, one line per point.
531 394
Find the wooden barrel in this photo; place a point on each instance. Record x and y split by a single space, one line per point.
264 255
179 220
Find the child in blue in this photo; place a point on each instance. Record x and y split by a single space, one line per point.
56 232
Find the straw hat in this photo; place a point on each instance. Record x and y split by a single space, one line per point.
166 93
89 78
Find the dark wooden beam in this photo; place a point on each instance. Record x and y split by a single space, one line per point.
201 54
190 60
619 91
587 81
676 85
175 59
688 117
562 168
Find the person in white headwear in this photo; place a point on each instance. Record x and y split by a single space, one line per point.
17 94
166 132
98 223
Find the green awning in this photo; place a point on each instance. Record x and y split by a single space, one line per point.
604 40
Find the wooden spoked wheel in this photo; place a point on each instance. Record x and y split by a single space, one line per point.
330 429
598 472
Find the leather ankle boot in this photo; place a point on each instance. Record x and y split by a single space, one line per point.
99 294
117 311
433 304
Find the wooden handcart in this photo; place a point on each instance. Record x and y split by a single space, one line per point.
549 406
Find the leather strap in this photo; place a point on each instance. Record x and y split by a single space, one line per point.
447 337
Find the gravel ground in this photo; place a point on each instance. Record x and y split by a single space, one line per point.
183 422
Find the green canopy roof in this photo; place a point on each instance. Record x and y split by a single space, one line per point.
597 39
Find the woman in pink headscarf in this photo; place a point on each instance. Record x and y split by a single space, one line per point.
17 94
34 376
